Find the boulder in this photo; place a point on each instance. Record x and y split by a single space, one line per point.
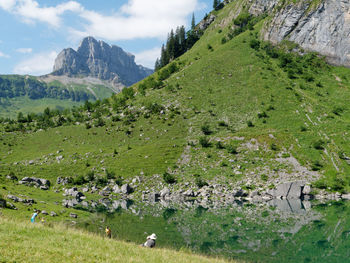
307 190
73 215
126 189
164 192
44 212
52 213
37 182
116 189
289 190
346 196
188 193
153 197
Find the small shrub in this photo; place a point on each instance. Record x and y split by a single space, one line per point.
103 181
285 155
204 141
169 178
255 44
262 115
223 164
223 40
231 149
206 129
303 128
200 182
316 165
79 180
222 124
110 174
90 176
219 145
274 147
338 111
119 180
250 124
264 177
210 47
319 145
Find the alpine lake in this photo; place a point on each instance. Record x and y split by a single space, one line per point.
276 231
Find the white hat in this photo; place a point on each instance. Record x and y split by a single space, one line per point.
153 236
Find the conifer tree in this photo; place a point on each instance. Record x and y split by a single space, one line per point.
215 4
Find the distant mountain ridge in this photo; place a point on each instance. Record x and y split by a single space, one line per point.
100 60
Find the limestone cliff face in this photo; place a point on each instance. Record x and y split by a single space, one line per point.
99 60
320 26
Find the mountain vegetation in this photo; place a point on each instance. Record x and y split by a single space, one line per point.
234 111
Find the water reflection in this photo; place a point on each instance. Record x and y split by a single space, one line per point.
277 231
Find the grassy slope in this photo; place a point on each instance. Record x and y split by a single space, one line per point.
39 243
231 83
10 107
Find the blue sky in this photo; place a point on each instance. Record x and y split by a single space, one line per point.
33 32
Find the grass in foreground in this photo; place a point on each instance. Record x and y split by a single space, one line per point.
25 242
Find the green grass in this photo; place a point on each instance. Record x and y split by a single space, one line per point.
9 108
56 243
269 108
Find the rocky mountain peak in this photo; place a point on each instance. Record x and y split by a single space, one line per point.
100 60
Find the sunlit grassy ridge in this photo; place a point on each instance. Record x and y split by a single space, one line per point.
260 102
26 242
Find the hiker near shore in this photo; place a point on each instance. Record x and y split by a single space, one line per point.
108 232
151 241
36 213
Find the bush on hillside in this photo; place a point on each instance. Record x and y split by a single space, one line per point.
79 180
204 141
231 149
206 129
169 178
319 145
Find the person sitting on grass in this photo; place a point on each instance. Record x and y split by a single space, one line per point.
108 232
151 241
36 213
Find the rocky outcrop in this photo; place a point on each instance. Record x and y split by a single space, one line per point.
99 60
322 28
43 184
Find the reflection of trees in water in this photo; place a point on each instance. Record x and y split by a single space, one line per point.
254 232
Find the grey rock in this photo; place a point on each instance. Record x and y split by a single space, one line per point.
153 197
289 190
73 215
126 189
52 213
37 182
99 60
188 193
322 28
164 192
116 189
44 212
307 190
205 23
346 196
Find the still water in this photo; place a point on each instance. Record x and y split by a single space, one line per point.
278 231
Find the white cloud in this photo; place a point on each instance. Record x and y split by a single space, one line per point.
147 58
139 19
30 11
24 50
7 4
3 55
38 64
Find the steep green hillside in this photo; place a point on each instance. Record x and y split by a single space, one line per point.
232 110
28 94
